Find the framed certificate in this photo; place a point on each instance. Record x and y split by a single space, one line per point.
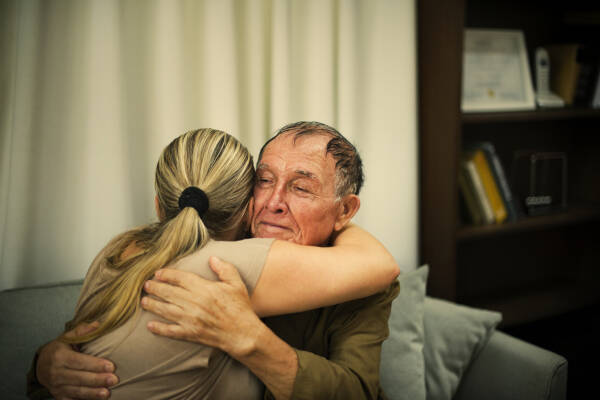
496 75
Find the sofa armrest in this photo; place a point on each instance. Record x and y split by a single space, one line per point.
29 318
509 368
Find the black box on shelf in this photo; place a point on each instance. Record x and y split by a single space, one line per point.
539 180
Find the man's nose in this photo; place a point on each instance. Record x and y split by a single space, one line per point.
276 203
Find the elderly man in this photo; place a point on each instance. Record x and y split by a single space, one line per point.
308 180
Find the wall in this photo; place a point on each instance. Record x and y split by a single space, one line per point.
91 91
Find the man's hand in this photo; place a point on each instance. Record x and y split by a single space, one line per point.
218 314
68 374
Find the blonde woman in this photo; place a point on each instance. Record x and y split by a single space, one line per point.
203 182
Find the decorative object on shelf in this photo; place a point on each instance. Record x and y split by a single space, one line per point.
574 71
496 74
563 79
540 181
544 97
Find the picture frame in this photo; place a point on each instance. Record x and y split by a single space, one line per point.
496 74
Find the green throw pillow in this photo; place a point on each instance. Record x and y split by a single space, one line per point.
454 335
402 369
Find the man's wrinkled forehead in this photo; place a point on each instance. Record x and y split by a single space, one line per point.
299 157
264 168
307 154
294 136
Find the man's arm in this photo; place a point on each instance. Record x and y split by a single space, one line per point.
219 314
344 349
64 373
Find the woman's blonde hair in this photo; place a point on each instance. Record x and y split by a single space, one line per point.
208 159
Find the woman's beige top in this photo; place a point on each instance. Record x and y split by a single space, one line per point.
154 367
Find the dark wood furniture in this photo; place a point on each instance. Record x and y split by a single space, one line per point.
537 266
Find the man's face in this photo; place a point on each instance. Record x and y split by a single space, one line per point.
294 198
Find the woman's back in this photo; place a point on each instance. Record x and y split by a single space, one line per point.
154 367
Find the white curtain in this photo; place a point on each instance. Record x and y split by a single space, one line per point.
91 91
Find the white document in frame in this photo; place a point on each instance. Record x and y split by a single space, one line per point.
495 71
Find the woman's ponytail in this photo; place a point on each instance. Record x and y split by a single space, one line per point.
203 183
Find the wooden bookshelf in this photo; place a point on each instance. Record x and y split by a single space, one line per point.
544 301
536 115
571 216
534 267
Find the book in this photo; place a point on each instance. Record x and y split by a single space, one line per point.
596 96
482 200
468 194
564 70
510 202
588 58
489 184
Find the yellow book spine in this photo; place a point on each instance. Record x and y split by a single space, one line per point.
490 186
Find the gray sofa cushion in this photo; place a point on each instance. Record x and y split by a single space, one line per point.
402 365
431 342
454 335
30 317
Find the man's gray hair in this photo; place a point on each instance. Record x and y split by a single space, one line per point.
348 164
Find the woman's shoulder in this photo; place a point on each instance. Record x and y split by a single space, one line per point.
241 253
251 243
247 255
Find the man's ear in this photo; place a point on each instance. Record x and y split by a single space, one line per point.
349 206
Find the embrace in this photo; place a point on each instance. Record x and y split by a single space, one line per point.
267 287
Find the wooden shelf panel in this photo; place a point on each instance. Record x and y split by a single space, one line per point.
574 215
536 304
544 265
533 115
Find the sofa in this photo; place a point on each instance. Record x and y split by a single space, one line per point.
436 350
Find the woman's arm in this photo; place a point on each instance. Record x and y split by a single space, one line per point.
298 278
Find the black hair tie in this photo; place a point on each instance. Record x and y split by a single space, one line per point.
194 197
